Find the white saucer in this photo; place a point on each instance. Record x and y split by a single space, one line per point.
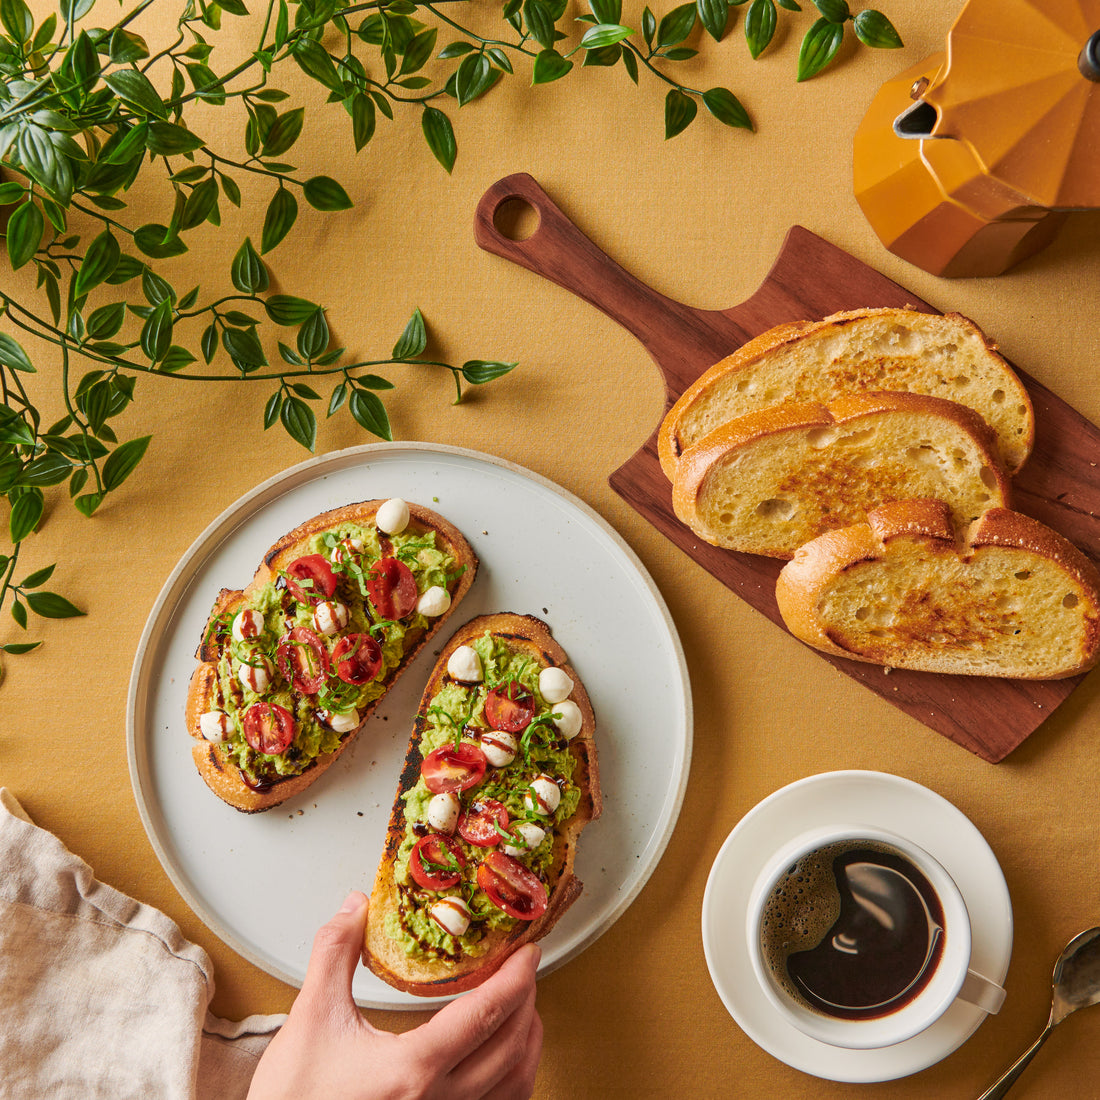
852 797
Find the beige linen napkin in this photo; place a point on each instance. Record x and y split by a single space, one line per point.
101 996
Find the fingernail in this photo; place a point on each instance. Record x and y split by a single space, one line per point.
352 902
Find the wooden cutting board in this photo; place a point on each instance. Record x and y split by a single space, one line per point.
1060 484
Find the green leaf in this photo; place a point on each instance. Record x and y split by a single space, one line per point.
836 11
122 461
440 136
549 66
156 288
369 412
175 359
11 192
314 61
418 51
39 576
819 47
243 346
17 19
760 23
285 309
713 14
271 409
604 34
282 212
49 605
413 340
289 355
540 23
609 11
479 371
284 132
15 648
125 46
726 107
12 354
200 204
248 271
680 111
99 263
156 333
313 336
339 396
362 119
209 344
26 513
454 49
19 613
156 241
50 468
874 29
676 25
24 233
136 88
475 76
88 503
324 193
298 419
106 321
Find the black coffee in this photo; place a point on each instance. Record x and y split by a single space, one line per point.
853 930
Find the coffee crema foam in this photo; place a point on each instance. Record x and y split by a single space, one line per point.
803 906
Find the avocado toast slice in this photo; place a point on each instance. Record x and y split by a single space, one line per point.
499 780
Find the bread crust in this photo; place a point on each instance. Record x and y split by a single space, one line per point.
219 773
427 976
703 461
925 528
825 384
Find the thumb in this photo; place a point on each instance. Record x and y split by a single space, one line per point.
337 950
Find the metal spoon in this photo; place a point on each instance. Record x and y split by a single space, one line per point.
1076 985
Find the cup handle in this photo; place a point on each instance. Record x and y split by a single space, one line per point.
981 992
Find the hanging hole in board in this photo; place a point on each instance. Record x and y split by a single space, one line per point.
516 219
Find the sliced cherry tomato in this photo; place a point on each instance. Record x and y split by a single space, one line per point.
454 769
303 660
510 707
269 728
310 579
512 887
479 821
357 658
392 588
436 862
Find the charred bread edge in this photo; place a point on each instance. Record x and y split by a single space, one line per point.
531 633
699 459
223 777
670 446
801 580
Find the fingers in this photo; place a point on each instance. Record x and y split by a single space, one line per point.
519 1083
485 1034
337 949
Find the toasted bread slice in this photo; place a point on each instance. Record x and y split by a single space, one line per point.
942 355
405 945
772 480
1012 598
325 720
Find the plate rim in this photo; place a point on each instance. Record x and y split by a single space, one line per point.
249 504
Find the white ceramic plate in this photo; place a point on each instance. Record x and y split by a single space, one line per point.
863 798
264 883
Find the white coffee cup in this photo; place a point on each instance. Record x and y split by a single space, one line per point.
951 978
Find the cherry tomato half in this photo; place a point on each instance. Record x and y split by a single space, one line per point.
479 821
303 660
512 887
510 707
453 769
269 728
357 658
392 588
310 579
436 862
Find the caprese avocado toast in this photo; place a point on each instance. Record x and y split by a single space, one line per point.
292 666
499 779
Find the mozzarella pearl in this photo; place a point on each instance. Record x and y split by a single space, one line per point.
443 812
348 550
215 725
568 718
434 602
532 836
329 617
554 685
452 914
499 748
248 624
255 677
542 796
393 516
464 665
343 721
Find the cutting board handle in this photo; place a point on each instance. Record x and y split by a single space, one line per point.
557 250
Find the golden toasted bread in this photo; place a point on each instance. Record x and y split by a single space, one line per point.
1011 598
769 481
498 783
856 351
292 666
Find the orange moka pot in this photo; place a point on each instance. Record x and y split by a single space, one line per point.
972 160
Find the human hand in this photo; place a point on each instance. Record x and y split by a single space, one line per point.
485 1044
